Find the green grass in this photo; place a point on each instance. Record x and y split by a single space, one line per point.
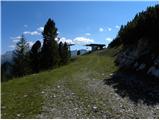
13 92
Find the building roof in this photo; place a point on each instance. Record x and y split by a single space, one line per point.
102 45
70 44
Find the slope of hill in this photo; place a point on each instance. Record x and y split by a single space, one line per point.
76 90
140 41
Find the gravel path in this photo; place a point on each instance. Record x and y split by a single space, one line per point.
100 101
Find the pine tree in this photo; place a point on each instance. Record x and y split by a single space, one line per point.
61 52
65 53
49 54
21 58
35 57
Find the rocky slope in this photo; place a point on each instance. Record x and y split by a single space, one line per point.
139 40
140 59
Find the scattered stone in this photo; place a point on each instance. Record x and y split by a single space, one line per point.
3 107
135 65
94 108
111 74
54 96
25 95
104 116
153 71
18 115
105 103
141 67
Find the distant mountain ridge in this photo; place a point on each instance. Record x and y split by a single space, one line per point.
74 52
7 57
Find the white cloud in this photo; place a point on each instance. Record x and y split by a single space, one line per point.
18 37
87 34
109 29
36 32
26 32
25 26
117 26
15 39
40 29
101 29
31 33
63 39
77 40
82 40
108 39
12 46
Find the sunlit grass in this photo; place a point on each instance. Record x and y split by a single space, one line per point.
22 97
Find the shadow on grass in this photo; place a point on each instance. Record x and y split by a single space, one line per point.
135 86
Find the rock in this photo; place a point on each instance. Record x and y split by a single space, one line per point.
42 92
25 95
3 107
141 67
95 109
153 71
156 61
58 86
111 74
135 65
18 115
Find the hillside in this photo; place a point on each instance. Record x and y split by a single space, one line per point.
81 89
140 41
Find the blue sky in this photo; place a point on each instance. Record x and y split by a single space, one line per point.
77 22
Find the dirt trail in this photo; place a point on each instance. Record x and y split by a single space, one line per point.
82 93
99 101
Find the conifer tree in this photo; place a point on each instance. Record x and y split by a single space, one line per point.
65 53
61 52
49 54
21 59
35 57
